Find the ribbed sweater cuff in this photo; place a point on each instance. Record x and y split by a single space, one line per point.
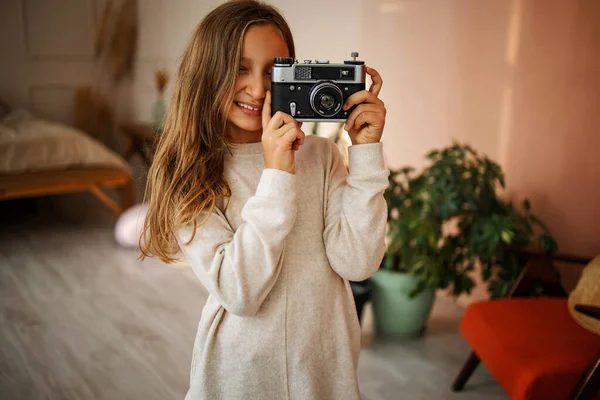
365 158
276 183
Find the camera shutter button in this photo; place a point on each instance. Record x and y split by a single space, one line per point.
293 108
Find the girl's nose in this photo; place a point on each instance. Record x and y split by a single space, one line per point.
258 86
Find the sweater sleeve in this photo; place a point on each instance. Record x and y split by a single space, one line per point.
356 212
240 268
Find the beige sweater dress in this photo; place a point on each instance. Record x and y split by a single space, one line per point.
280 321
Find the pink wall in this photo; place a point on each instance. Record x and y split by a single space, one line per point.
553 140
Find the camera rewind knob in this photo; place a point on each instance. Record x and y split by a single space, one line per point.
354 61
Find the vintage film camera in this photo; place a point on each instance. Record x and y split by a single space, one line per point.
315 91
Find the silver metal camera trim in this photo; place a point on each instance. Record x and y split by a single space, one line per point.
321 119
316 88
286 73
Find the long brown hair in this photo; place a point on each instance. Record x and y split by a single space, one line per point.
186 176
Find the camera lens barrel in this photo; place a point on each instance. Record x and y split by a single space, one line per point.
326 99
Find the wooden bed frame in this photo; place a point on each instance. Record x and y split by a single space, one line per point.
51 182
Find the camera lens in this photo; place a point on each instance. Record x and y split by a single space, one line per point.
326 99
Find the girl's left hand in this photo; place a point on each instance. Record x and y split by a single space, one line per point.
365 123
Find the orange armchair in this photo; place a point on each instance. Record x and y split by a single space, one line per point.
533 346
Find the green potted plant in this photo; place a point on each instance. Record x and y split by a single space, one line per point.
441 222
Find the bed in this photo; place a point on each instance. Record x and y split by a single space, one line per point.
39 157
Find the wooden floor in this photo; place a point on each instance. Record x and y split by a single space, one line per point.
81 318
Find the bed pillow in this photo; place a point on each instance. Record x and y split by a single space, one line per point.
32 144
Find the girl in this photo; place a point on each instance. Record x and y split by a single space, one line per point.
271 221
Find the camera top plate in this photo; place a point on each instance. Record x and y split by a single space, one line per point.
286 69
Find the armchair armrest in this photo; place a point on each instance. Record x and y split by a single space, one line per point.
567 258
539 267
590 311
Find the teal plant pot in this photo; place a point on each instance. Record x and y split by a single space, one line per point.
396 314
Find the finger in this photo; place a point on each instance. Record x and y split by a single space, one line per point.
297 142
377 81
301 140
365 107
369 117
266 111
280 119
364 96
292 135
285 129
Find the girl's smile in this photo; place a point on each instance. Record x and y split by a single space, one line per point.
249 109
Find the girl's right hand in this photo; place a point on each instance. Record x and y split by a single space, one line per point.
281 137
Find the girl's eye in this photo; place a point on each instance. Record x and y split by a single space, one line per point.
268 73
243 69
